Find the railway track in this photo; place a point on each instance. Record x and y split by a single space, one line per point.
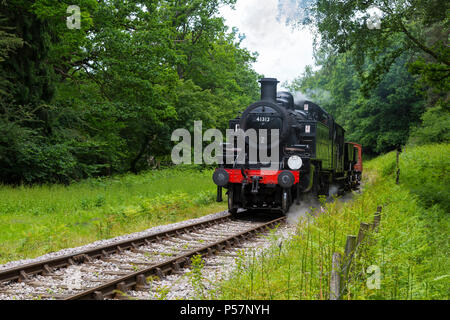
110 271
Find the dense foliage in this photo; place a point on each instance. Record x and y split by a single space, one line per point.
106 97
384 67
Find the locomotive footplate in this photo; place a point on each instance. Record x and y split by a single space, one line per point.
266 177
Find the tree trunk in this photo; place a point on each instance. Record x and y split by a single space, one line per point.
145 144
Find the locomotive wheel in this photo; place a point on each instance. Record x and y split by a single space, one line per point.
317 184
231 208
325 188
323 184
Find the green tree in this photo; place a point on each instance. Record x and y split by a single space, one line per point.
105 98
420 26
411 36
381 121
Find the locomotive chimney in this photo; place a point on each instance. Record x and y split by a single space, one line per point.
269 89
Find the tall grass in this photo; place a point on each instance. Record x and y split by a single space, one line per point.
411 248
301 267
40 219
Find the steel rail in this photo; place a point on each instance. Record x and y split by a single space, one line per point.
138 280
45 267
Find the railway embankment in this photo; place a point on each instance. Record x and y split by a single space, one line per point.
408 258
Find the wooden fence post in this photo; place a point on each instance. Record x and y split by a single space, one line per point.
376 219
363 229
335 283
397 180
340 267
350 247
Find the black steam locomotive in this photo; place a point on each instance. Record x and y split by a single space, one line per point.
313 154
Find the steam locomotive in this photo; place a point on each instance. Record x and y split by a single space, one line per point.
312 154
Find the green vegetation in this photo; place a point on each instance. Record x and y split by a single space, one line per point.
424 171
41 219
411 248
380 120
105 98
195 276
382 84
